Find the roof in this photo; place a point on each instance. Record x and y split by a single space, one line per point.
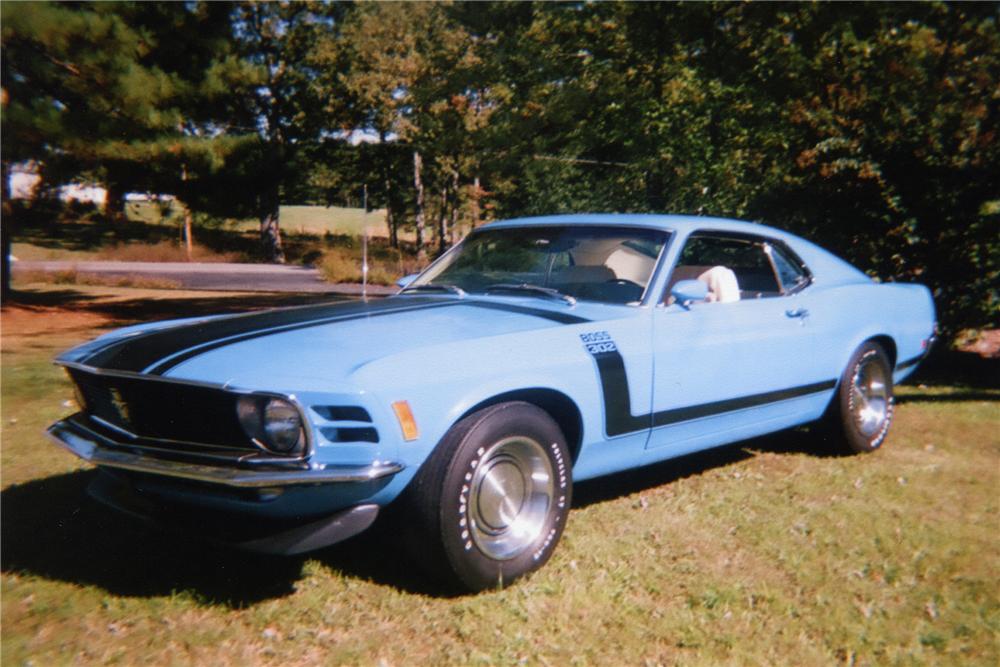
678 223
821 262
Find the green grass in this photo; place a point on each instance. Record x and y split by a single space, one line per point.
761 553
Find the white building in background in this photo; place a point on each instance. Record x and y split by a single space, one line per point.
24 181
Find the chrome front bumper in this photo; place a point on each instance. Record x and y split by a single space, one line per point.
100 451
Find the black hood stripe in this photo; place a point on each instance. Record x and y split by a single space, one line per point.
561 318
179 358
158 351
136 353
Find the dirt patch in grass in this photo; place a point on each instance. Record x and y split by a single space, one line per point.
20 320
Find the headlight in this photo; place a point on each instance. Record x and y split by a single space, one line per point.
274 422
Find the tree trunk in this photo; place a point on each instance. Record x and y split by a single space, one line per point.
443 222
188 240
390 215
114 201
390 221
455 201
7 218
270 231
475 202
418 165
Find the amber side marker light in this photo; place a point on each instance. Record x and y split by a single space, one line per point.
406 421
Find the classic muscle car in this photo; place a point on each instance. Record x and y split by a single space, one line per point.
537 353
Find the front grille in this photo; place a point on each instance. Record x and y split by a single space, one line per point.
189 416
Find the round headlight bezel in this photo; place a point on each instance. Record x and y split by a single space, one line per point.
273 423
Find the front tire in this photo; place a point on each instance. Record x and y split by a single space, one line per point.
491 502
863 407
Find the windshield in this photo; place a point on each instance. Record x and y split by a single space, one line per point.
607 264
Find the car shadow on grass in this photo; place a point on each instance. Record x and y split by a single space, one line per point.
796 441
953 397
50 528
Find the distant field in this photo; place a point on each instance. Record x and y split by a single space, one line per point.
763 553
295 219
308 232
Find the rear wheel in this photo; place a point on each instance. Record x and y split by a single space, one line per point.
862 410
491 502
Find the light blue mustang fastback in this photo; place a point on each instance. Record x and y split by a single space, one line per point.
537 353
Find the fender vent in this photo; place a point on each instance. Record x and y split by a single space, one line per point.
342 413
350 434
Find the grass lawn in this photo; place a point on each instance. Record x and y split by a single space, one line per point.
766 552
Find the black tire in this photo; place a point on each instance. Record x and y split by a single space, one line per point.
862 410
457 525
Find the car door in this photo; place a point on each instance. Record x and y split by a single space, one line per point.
724 371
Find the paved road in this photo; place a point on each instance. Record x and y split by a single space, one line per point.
209 276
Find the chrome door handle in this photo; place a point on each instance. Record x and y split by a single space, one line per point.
797 312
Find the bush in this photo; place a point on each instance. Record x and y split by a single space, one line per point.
385 265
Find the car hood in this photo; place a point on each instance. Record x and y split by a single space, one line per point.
331 341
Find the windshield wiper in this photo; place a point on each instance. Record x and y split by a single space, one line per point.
548 292
431 287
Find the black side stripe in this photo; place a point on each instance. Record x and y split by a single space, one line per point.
619 419
665 417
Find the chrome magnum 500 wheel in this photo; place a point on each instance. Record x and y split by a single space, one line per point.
862 412
491 502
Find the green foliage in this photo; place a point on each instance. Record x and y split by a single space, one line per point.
106 88
869 128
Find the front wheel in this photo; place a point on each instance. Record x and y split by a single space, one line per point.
491 502
862 410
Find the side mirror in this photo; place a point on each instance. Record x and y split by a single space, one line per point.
688 291
403 282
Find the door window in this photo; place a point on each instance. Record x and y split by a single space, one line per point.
718 261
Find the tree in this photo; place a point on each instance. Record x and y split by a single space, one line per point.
280 101
101 89
408 78
871 129
892 139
